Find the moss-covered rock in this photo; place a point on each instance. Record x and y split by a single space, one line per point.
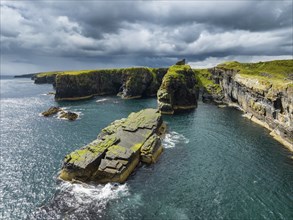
135 82
118 149
149 149
178 91
211 91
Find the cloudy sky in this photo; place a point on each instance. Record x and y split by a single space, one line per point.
63 35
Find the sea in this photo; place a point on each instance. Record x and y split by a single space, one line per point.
216 164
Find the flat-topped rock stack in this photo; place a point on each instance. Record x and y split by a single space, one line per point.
118 149
179 90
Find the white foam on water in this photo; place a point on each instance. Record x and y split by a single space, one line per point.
172 138
83 195
102 100
80 201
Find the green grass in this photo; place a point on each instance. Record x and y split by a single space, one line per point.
91 150
204 78
42 74
176 72
277 69
129 70
278 73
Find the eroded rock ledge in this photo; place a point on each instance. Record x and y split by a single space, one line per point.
118 149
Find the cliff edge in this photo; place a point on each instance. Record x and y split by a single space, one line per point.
264 91
135 82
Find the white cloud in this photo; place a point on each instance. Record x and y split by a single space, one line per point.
214 61
150 32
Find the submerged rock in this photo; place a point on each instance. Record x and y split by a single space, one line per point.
51 111
119 148
71 116
178 90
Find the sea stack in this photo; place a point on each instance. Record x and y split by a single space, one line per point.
178 90
119 148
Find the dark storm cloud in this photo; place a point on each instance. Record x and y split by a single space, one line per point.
101 33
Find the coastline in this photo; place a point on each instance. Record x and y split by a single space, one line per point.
275 135
75 98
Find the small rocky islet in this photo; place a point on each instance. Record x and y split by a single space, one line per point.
117 151
264 91
53 110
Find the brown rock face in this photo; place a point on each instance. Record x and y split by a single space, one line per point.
71 116
51 111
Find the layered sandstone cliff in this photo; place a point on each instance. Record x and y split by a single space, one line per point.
264 91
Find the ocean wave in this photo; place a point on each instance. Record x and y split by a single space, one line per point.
172 138
74 200
102 100
83 194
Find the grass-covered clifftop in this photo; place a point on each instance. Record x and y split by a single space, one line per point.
205 80
178 91
277 69
133 82
263 90
277 73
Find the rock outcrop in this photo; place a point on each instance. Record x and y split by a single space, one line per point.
264 91
181 62
128 83
71 116
118 149
210 90
30 75
178 90
42 78
51 111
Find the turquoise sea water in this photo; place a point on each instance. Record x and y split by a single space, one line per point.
216 164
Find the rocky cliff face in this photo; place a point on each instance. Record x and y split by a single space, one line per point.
266 100
45 78
178 90
30 75
72 86
118 149
128 83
